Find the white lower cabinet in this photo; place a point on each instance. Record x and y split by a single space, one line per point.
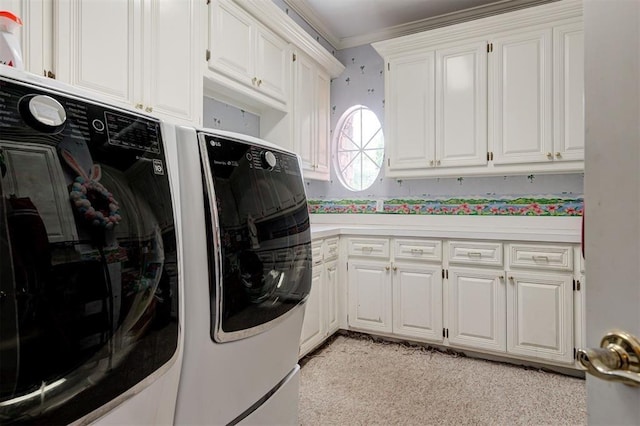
540 315
396 291
370 295
321 318
477 310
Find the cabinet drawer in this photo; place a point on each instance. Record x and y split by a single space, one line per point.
330 248
368 247
316 251
541 257
475 253
417 250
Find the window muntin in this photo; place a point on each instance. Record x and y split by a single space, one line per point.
359 148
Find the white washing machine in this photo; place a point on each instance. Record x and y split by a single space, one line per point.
247 274
90 275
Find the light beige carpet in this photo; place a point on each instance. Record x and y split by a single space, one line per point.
359 381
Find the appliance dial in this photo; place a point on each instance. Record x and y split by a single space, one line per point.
269 160
42 113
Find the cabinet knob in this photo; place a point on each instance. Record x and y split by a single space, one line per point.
259 83
501 277
387 268
253 80
549 156
437 162
558 155
139 106
431 163
148 109
395 268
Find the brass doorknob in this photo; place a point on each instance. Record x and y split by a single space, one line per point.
617 359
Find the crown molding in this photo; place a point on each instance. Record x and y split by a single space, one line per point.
484 27
303 8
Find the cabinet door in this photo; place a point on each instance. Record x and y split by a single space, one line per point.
370 296
322 105
477 308
313 323
231 41
331 291
417 301
169 81
85 60
568 78
521 98
461 106
272 64
540 316
410 118
304 111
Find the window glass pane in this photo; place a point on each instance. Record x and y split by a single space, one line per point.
359 148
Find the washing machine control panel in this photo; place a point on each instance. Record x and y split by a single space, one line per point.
29 109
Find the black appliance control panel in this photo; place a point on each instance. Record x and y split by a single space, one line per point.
49 116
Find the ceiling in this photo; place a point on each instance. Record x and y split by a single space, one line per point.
349 23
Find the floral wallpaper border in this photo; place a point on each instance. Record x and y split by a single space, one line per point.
477 206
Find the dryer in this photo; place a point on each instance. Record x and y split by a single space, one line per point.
246 278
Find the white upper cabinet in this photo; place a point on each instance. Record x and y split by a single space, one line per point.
35 35
247 52
461 105
410 118
498 95
568 102
149 61
521 97
311 117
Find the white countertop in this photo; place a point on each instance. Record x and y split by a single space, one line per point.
509 228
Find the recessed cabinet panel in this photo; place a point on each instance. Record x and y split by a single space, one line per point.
475 253
106 68
413 249
569 92
273 62
313 325
417 297
521 80
461 108
305 111
410 129
369 247
541 257
231 41
370 296
331 286
540 316
477 308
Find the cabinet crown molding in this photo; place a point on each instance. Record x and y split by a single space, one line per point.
277 21
484 27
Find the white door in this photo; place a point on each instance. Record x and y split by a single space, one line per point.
417 301
410 103
476 315
304 111
272 64
540 315
331 291
612 192
312 325
370 295
520 104
461 105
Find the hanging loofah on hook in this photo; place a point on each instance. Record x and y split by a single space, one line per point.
90 198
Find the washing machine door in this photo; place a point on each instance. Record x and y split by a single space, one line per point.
259 235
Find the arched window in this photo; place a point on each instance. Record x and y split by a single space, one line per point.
359 148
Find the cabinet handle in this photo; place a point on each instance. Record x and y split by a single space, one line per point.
139 106
474 254
367 248
149 109
549 156
558 155
541 259
417 251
